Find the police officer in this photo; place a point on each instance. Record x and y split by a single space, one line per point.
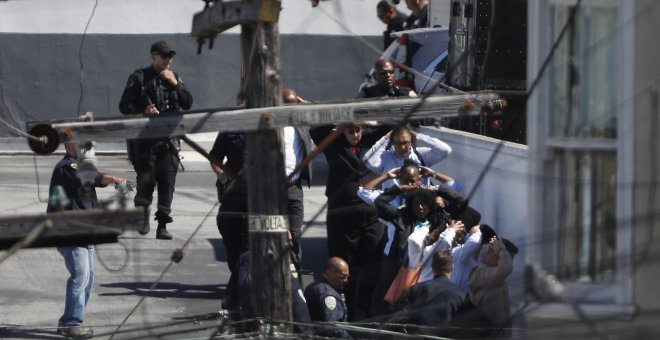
152 91
324 300
67 192
232 220
384 83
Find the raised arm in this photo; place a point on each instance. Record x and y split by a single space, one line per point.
368 193
428 172
469 248
493 276
385 210
390 174
185 98
372 158
436 150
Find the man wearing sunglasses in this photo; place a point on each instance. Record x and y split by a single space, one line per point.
152 91
324 300
400 144
384 83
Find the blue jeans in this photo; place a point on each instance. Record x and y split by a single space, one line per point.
79 261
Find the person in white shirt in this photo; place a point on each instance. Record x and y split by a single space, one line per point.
465 251
428 239
380 159
297 145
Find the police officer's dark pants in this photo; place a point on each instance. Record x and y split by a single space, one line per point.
159 170
355 235
232 223
296 215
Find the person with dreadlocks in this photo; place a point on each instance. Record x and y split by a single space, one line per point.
420 216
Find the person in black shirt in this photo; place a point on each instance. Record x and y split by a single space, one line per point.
353 231
388 14
232 219
152 91
384 85
68 192
419 17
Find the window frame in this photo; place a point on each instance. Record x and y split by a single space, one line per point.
542 147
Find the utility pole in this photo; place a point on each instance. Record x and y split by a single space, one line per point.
264 163
267 195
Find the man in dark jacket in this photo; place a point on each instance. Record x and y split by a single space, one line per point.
433 302
384 85
419 18
152 91
354 233
324 300
390 16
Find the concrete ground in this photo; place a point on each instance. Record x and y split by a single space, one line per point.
32 282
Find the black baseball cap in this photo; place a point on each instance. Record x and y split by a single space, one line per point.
162 48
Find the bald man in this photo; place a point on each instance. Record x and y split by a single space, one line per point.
324 300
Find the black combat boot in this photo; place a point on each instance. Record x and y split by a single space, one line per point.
162 234
146 227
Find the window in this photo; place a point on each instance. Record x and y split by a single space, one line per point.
588 202
581 143
584 81
583 108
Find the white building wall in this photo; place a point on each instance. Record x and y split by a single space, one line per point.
502 195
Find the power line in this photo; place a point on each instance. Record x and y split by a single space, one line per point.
80 58
162 274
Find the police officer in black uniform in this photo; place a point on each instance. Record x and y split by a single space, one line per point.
152 91
232 220
324 300
384 83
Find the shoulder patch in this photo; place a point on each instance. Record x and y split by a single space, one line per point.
331 302
74 166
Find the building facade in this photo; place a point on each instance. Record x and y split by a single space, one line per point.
592 122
